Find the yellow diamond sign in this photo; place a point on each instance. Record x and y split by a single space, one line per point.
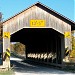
67 34
6 35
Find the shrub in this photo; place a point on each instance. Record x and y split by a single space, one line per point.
72 54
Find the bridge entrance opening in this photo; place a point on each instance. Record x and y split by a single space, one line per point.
42 44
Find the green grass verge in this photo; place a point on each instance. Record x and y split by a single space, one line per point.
10 72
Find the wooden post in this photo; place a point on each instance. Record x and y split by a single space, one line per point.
62 49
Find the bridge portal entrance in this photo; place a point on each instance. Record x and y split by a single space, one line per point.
42 44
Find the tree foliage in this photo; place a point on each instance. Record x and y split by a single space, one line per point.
18 48
73 41
72 53
1 27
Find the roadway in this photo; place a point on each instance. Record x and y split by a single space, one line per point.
28 68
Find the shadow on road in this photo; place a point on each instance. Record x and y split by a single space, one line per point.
32 67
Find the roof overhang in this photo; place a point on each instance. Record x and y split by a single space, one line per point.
51 11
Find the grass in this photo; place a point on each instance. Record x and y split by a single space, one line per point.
10 72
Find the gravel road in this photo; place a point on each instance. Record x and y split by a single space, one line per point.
25 68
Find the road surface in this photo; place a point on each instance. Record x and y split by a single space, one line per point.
26 68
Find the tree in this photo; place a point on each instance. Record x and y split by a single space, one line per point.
1 41
1 27
72 53
18 48
12 47
73 40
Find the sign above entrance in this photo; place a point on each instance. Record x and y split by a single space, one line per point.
37 23
6 35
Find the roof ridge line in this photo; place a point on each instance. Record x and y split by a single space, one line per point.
38 2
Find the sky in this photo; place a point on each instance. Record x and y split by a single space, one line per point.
11 7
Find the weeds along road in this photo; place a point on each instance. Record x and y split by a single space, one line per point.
26 68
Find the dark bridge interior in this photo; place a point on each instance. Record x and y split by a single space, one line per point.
42 44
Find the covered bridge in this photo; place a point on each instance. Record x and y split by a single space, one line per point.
43 31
